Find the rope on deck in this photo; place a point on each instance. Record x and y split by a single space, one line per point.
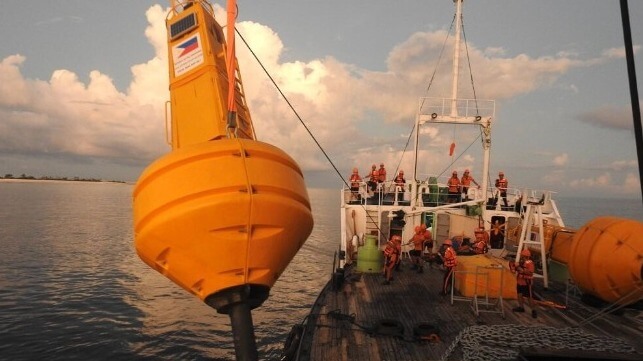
502 342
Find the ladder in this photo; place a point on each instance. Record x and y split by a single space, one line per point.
533 216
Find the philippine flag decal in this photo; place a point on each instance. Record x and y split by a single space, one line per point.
187 55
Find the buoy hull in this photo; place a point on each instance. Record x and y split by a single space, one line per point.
606 259
221 214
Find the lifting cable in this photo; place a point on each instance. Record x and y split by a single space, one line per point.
301 121
293 109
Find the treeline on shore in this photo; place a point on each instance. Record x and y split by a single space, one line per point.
72 179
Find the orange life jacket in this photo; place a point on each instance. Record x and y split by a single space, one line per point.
466 180
480 247
502 184
382 175
454 184
525 276
450 259
391 249
418 241
355 179
400 181
375 175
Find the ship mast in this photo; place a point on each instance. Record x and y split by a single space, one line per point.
456 59
454 110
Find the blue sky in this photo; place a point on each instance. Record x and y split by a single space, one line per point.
83 83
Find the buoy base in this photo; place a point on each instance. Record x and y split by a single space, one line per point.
237 303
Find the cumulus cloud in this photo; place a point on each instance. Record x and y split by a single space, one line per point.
606 184
338 102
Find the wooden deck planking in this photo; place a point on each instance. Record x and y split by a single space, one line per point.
414 299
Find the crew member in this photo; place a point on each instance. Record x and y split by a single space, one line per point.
416 252
449 263
382 174
501 185
373 178
428 240
482 241
399 179
391 257
524 275
454 188
466 181
355 180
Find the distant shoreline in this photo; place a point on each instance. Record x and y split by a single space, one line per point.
21 180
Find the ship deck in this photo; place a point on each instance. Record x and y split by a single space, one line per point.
364 319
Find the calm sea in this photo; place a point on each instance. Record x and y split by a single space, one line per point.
72 286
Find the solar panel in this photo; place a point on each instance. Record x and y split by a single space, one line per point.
183 26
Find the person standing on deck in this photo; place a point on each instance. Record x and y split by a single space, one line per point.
524 276
373 178
454 188
399 179
382 174
466 182
391 256
416 252
501 185
450 261
355 180
428 240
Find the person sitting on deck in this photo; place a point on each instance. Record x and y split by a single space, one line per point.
391 256
466 182
524 275
355 180
450 262
481 244
454 188
416 252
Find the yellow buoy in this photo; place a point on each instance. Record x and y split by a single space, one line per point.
606 259
220 214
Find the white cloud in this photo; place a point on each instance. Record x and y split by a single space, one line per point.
561 159
338 102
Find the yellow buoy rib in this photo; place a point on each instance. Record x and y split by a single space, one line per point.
221 214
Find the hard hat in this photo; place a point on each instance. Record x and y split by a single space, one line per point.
455 172
381 164
373 166
354 170
447 242
525 252
401 172
501 173
418 229
466 171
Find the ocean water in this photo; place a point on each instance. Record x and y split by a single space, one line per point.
73 288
